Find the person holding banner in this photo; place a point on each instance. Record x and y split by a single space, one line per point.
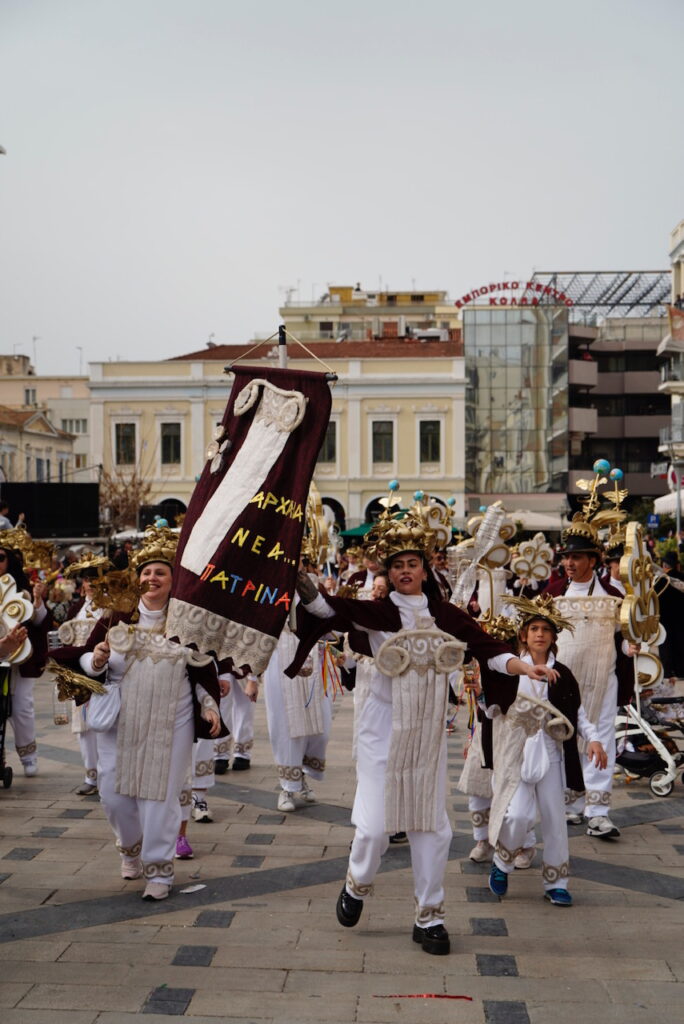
401 761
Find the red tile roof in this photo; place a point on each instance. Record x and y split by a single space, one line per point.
391 348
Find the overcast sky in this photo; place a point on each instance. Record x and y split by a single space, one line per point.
174 165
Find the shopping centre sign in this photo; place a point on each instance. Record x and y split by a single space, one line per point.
534 293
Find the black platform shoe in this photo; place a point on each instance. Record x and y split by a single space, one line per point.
434 940
241 764
220 766
348 909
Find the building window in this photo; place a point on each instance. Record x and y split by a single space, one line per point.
328 452
124 434
28 468
29 396
383 441
430 441
80 461
47 470
72 426
170 444
40 471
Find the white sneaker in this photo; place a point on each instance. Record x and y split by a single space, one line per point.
156 891
30 769
525 858
200 809
306 793
285 801
574 819
602 827
131 867
481 852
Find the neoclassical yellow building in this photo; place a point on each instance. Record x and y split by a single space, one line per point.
398 412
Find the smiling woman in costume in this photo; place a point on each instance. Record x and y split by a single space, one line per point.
401 751
169 695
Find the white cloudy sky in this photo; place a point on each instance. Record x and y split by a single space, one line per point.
173 165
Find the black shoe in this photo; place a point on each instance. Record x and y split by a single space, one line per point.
348 909
434 940
240 764
220 766
398 839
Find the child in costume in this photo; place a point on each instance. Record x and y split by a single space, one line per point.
535 755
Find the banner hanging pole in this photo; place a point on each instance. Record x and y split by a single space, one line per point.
282 347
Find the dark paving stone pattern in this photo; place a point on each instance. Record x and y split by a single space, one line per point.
496 966
49 832
22 853
259 839
194 956
215 919
488 926
270 819
480 895
169 1001
76 812
505 1012
247 862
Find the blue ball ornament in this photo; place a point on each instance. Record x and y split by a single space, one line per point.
483 508
451 502
601 466
418 495
393 485
616 474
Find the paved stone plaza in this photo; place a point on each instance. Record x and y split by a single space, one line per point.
260 942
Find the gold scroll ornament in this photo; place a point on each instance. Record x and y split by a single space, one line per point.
640 610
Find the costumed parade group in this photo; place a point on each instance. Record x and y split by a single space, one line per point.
161 692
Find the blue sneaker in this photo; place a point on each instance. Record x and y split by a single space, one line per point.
498 881
559 897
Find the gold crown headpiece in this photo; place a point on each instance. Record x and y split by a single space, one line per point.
586 523
501 627
88 562
159 545
421 528
542 607
36 554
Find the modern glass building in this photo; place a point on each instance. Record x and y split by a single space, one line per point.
517 422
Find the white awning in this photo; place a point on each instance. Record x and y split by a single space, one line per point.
538 520
666 505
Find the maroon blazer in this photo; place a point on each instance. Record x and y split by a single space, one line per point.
37 634
206 676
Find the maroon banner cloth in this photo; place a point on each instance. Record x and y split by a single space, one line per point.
239 547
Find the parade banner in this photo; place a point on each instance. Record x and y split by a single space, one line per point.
239 548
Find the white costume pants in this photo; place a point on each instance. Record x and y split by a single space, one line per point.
429 850
595 802
241 722
146 828
547 796
23 719
201 774
478 807
295 756
87 741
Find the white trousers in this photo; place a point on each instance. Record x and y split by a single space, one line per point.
201 774
146 828
241 722
478 806
429 850
22 719
595 802
295 756
87 741
548 797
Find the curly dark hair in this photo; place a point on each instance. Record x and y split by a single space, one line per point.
15 567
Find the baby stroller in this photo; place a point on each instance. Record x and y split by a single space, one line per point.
646 749
5 712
